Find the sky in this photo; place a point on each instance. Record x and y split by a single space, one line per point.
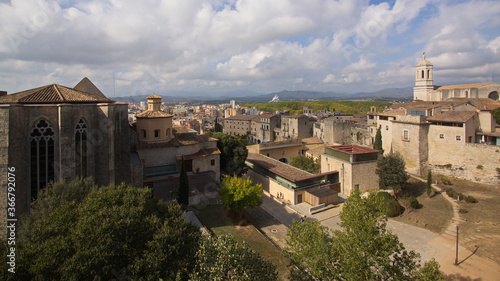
130 47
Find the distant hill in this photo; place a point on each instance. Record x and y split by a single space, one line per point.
387 93
249 96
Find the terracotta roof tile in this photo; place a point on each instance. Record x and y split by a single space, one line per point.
463 86
453 116
153 114
53 94
85 85
480 104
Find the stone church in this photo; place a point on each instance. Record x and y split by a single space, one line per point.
425 90
55 132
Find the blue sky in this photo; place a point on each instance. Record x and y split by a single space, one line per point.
131 47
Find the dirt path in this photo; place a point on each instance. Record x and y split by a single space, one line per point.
470 265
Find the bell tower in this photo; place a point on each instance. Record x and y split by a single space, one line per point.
424 85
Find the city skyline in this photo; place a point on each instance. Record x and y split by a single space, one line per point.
135 48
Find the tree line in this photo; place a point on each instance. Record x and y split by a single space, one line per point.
296 107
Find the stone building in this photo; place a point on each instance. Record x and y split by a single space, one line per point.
262 128
294 127
425 89
55 132
292 185
238 125
457 136
356 165
160 150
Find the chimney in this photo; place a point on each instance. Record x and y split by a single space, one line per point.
3 93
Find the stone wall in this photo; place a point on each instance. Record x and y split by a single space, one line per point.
469 161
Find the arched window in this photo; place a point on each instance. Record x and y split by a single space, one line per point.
41 156
428 74
493 95
423 74
81 149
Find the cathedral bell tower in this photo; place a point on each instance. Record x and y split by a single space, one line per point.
424 85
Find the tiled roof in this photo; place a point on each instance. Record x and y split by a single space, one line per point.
154 97
241 117
394 112
453 116
182 139
153 114
480 104
287 171
292 116
353 149
200 154
55 94
284 170
85 85
463 86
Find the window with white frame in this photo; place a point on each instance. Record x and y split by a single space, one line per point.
406 135
459 138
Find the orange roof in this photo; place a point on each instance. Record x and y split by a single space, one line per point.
457 116
463 86
154 97
153 114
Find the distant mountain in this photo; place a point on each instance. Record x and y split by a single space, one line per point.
250 96
297 95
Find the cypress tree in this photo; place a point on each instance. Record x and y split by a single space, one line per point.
183 196
429 184
378 141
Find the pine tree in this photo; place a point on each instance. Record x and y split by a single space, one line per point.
183 196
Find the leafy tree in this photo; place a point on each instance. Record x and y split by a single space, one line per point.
378 141
222 258
306 163
496 114
363 250
183 197
238 193
429 184
112 232
391 172
217 126
233 153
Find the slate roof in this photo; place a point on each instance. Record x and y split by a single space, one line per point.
58 94
457 116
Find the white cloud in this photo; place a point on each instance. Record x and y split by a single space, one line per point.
168 45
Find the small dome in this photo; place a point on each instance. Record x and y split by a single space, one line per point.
424 62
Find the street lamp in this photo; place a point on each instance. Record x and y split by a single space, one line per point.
456 248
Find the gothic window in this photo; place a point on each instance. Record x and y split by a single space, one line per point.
41 156
81 147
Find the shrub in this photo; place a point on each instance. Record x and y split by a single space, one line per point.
414 204
480 167
446 181
462 211
386 204
470 199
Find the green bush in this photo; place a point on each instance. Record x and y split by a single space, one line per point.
462 211
446 181
386 204
470 199
414 204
